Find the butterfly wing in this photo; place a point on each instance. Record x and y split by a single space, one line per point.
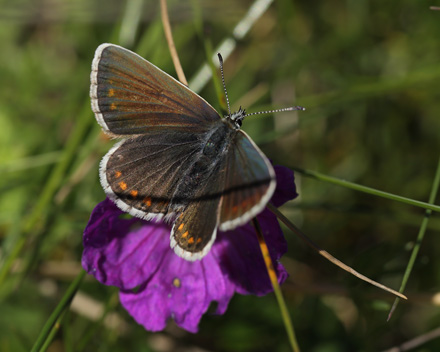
130 95
141 174
195 230
249 182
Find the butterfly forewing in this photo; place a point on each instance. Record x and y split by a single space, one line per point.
130 95
249 182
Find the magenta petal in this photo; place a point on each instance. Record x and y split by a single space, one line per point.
122 252
286 189
180 290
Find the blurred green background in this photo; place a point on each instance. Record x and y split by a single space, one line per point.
368 73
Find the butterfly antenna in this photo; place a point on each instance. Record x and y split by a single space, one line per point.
223 81
292 108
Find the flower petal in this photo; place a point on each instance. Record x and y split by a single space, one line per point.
122 252
286 188
181 290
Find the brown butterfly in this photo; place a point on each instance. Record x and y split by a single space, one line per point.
178 160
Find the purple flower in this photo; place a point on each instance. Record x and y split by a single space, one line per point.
155 284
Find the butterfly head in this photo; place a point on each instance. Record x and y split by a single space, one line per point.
237 118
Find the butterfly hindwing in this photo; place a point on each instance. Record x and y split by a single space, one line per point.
141 174
249 182
195 230
130 96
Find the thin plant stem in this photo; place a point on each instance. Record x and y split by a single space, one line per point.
276 287
171 46
420 236
58 311
365 189
327 255
55 328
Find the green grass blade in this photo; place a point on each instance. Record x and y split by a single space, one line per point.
64 303
420 236
365 189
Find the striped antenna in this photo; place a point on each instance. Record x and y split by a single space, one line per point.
223 81
292 108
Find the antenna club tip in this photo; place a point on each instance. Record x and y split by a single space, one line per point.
220 57
294 108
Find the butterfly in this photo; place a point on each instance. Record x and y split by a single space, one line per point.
178 160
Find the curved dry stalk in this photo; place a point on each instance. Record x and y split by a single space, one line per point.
327 255
171 46
416 342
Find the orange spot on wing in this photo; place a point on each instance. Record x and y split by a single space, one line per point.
199 240
118 174
180 227
113 106
191 240
122 185
185 235
111 92
134 193
147 201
